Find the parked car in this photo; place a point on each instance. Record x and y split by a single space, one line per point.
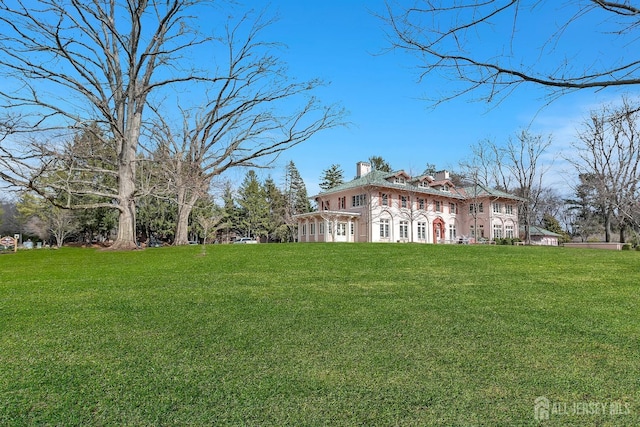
245 240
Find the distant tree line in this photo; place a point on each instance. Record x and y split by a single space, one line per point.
262 210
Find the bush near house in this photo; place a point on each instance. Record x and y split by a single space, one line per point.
319 334
507 241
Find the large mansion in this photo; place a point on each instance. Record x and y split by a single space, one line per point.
395 207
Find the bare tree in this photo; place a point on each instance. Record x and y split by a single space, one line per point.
608 150
254 112
67 63
485 166
516 167
62 224
210 225
524 162
449 37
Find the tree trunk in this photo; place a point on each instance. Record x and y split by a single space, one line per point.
182 223
126 239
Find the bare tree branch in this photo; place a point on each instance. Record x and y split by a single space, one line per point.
488 46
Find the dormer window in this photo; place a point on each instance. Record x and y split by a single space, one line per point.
399 180
445 188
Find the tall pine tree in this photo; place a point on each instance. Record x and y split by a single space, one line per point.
277 212
379 164
254 209
331 177
231 213
296 198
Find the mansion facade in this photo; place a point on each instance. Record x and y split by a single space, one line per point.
381 206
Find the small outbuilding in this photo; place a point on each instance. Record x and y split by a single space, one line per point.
540 236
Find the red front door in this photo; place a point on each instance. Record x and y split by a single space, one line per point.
438 230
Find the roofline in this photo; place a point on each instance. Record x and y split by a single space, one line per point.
327 212
414 189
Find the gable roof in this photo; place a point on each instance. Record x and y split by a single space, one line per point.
539 231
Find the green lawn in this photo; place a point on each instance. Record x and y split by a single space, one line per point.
320 334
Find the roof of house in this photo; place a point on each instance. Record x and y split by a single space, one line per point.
482 191
539 231
377 178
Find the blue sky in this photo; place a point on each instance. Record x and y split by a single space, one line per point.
342 42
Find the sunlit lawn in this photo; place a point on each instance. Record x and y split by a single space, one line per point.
315 334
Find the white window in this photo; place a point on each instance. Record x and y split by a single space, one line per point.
404 229
341 229
352 226
422 230
438 206
496 208
508 209
508 231
342 202
312 228
421 204
330 227
452 232
472 231
304 229
403 201
452 208
384 228
481 230
385 199
497 231
321 228
399 180
358 200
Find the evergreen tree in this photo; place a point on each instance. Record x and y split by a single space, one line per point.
296 198
296 191
379 164
550 223
231 213
156 218
254 209
331 177
277 211
430 169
